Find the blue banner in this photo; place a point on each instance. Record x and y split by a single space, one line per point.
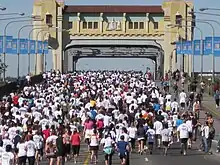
208 46
32 46
189 47
14 46
1 44
40 47
197 45
178 48
185 47
23 46
217 46
9 44
45 47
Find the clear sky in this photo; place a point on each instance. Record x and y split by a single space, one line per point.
26 7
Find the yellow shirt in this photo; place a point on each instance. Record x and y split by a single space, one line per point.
92 103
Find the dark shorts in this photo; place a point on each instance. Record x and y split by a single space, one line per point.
94 148
190 134
165 144
182 105
40 152
184 140
158 136
151 143
122 156
75 149
87 141
67 148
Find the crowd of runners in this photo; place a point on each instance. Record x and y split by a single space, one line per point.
117 113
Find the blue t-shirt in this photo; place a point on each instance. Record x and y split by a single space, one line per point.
156 107
179 122
122 147
93 113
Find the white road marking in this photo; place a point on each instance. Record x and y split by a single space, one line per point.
146 160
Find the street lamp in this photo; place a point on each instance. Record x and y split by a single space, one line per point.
2 8
21 14
4 37
204 9
29 49
196 12
18 48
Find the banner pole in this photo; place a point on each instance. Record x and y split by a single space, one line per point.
29 57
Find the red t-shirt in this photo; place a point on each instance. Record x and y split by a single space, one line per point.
75 139
46 133
15 100
100 124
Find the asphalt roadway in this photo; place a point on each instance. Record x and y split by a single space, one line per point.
173 158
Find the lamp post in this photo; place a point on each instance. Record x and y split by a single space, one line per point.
205 13
21 14
12 18
4 38
18 48
29 49
45 57
204 9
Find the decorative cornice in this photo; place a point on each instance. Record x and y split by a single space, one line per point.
119 35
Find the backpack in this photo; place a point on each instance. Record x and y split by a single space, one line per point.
211 132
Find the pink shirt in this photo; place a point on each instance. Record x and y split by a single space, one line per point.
89 125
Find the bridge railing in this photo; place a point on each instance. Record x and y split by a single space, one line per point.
19 85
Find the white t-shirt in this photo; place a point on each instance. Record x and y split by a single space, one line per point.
189 123
107 142
165 133
182 97
107 120
132 132
38 140
31 148
168 97
151 135
7 158
174 104
94 140
158 126
184 131
22 151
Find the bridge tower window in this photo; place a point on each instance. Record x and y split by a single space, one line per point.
130 25
95 25
141 25
156 25
89 25
135 25
84 25
49 19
